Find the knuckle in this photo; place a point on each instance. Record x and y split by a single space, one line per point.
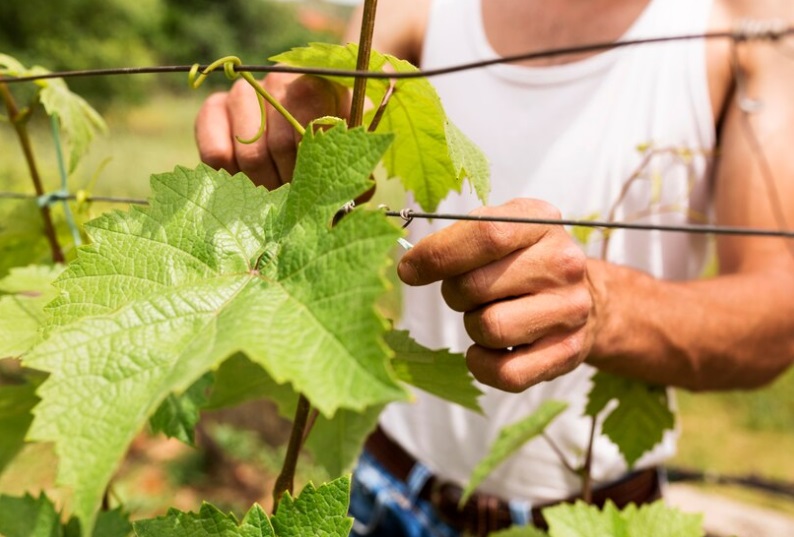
472 287
571 263
490 327
498 237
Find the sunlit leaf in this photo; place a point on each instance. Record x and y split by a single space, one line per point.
429 155
510 440
639 419
212 267
437 372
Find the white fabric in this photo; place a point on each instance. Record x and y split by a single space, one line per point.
567 134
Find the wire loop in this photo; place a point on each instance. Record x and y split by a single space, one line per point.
407 214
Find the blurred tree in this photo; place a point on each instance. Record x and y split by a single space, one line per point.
84 34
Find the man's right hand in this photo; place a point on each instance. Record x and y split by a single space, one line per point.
227 117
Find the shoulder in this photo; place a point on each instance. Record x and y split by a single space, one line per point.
399 27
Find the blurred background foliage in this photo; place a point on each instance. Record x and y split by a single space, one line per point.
89 34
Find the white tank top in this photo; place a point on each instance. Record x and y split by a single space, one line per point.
573 135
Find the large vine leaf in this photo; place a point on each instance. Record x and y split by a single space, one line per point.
639 419
438 372
212 267
429 155
510 439
657 519
79 121
316 511
23 295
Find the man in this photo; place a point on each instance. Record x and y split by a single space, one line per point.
629 134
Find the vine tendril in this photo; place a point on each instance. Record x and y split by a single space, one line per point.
230 63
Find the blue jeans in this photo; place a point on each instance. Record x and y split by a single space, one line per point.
384 506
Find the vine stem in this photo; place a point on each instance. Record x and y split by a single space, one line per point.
27 148
362 63
286 479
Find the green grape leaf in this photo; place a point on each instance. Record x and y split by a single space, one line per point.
23 295
113 523
342 57
336 443
469 161
178 415
16 405
510 439
212 267
641 416
79 121
29 517
437 372
316 511
208 522
657 519
661 520
429 155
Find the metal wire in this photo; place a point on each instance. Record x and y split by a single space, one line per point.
407 214
761 31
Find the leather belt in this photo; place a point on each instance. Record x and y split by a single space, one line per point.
484 513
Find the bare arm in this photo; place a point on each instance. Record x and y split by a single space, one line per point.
735 330
526 289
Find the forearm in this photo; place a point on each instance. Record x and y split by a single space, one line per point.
731 331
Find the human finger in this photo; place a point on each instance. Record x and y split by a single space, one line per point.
245 119
467 245
522 367
530 318
553 262
213 133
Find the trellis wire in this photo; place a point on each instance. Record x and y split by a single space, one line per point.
749 30
409 214
771 30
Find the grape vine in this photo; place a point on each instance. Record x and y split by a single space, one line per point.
160 313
